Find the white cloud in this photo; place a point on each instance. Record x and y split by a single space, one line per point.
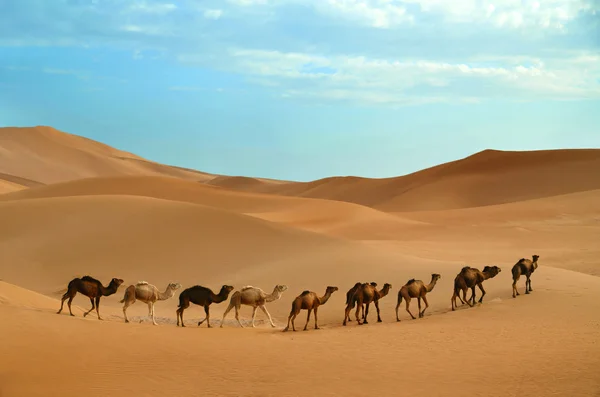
152 8
213 14
396 81
551 14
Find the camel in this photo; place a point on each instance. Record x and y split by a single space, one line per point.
148 294
470 277
365 294
202 296
91 288
526 267
416 289
255 297
351 293
310 301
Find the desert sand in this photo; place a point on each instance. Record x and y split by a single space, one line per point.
72 207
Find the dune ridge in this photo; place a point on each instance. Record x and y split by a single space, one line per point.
47 155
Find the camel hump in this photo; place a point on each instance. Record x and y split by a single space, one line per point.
90 279
142 283
247 287
305 292
412 280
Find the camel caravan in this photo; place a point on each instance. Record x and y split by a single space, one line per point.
360 296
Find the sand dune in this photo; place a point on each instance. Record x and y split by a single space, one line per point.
73 207
486 178
332 217
46 155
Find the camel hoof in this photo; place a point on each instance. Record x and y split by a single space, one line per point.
379 321
317 328
84 314
72 315
126 321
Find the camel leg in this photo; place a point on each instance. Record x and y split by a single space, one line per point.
316 321
426 306
366 311
69 304
254 315
153 320
398 306
358 307
468 302
347 314
264 309
231 305
473 294
378 314
419 302
514 286
307 319
125 306
407 308
528 284
480 285
62 302
98 308
93 307
207 318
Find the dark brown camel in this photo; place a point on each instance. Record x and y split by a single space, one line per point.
469 277
91 288
416 289
524 267
351 293
365 295
310 301
202 296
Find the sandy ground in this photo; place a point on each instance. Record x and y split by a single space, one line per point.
161 227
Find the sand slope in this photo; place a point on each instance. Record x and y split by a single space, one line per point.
332 217
46 155
485 178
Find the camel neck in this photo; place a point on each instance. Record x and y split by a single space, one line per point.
431 284
325 298
165 295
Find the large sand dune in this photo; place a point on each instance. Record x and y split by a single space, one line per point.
74 207
46 155
486 178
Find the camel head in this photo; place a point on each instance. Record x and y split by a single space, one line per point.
226 289
331 289
174 286
535 258
492 270
116 282
387 286
281 287
435 277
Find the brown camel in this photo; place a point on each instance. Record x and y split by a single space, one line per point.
469 277
526 267
351 293
91 288
202 296
366 294
310 301
416 289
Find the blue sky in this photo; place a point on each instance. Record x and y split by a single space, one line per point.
303 89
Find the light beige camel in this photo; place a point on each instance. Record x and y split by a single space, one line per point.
524 267
310 301
416 289
148 294
255 297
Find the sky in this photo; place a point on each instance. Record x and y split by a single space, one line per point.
305 89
